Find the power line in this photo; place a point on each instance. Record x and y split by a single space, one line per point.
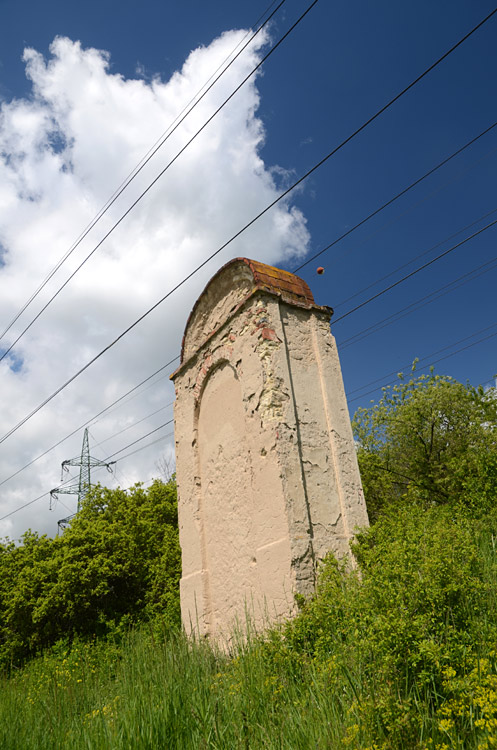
151 309
16 510
45 494
143 447
436 294
347 342
350 400
396 197
408 210
148 445
134 424
416 257
92 420
395 316
115 467
429 364
416 270
151 184
404 265
140 439
258 216
70 479
62 503
148 156
139 392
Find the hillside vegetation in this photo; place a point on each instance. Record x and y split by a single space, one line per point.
399 652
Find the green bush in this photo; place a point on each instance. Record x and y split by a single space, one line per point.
118 562
396 651
420 602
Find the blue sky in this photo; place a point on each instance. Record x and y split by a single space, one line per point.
342 63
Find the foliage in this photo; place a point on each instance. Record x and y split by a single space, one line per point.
398 653
430 438
419 608
166 692
117 562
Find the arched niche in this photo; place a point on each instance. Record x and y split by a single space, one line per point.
224 463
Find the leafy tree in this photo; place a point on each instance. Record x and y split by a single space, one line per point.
118 562
430 438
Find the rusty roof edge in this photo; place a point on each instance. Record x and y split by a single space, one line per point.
301 288
257 289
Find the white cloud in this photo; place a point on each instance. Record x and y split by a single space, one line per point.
64 151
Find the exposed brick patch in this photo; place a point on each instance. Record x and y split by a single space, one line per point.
269 334
223 354
285 285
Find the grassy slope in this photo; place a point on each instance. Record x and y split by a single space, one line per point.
403 658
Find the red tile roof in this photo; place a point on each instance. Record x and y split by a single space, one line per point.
279 281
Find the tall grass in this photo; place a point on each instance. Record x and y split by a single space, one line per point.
403 658
166 692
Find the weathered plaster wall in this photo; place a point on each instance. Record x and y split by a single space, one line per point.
267 474
331 477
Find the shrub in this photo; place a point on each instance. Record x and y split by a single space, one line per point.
420 603
118 562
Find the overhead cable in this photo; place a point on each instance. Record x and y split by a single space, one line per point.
425 300
148 445
133 424
408 263
170 421
426 197
343 344
396 197
415 257
359 336
428 357
252 221
413 273
90 421
152 151
151 184
45 494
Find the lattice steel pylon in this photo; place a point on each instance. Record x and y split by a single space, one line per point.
85 463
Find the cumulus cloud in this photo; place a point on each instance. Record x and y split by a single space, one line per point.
64 150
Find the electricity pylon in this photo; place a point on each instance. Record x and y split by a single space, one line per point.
82 488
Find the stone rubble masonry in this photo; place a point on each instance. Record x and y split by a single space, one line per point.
267 472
